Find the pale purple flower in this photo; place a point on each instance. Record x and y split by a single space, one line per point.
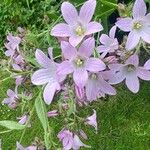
91 120
77 26
109 43
77 143
52 113
47 76
130 72
111 59
78 61
83 134
12 45
80 92
12 99
20 147
66 137
97 87
23 120
70 140
138 26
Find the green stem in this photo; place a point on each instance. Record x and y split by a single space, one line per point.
109 4
5 131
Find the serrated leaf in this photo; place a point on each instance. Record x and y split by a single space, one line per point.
12 125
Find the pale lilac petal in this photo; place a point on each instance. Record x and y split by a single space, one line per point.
79 92
115 67
112 32
61 30
102 49
42 59
19 146
93 27
132 83
147 65
145 34
75 40
77 143
80 77
49 92
69 13
95 65
125 24
104 39
9 53
87 11
143 74
16 67
10 93
132 41
92 88
68 50
52 113
134 60
23 119
87 47
31 148
106 87
65 68
42 76
139 9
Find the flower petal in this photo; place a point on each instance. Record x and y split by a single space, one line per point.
42 59
87 11
87 47
106 87
95 65
19 146
145 34
104 39
10 93
68 50
75 40
125 24
80 77
42 77
143 74
132 83
134 60
49 92
132 41
139 9
147 65
112 32
93 27
65 68
61 30
69 13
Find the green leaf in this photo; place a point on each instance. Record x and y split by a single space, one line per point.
12 125
41 112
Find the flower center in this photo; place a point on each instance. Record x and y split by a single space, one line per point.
137 25
130 68
80 31
79 62
94 76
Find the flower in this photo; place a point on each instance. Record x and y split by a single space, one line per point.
52 113
67 139
12 45
11 101
23 120
91 120
130 72
70 140
80 93
109 43
20 147
47 76
78 61
77 26
138 26
97 86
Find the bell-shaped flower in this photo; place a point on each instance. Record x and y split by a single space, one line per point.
12 99
78 61
138 25
130 72
109 43
47 76
77 26
92 120
97 87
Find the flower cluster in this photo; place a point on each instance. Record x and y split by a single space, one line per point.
87 71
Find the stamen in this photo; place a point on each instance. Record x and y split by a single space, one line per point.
80 31
137 25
